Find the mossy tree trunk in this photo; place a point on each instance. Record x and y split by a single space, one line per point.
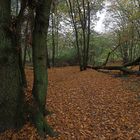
10 82
40 65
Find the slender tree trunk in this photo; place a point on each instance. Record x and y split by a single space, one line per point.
76 33
26 44
132 44
57 33
125 53
84 35
17 7
88 34
82 16
53 40
48 59
29 50
10 81
18 42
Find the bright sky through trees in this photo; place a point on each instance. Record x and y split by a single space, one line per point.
99 27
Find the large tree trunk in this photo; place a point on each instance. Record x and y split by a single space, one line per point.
40 65
10 82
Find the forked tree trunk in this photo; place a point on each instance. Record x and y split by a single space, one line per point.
10 82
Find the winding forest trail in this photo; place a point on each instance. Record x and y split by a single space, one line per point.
88 105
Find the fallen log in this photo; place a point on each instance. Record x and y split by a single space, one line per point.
134 63
125 70
122 68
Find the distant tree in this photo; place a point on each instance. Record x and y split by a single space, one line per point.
125 20
80 13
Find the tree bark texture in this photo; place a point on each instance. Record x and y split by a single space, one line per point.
10 80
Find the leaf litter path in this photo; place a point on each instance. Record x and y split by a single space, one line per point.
87 105
90 105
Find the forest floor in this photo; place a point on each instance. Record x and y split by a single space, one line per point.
88 105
